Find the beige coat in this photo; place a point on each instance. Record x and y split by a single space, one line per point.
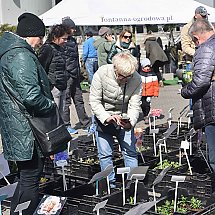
106 95
188 46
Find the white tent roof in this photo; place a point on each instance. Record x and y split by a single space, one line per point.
121 12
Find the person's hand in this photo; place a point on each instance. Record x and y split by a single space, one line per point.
113 118
119 121
51 157
125 125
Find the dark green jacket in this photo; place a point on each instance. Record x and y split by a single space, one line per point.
116 48
28 82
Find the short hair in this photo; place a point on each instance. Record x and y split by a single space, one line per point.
200 26
57 31
125 63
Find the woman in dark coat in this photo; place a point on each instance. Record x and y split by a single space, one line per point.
23 76
124 43
156 55
51 56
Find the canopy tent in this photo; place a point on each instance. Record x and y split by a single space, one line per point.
121 12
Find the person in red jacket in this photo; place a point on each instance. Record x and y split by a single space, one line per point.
150 87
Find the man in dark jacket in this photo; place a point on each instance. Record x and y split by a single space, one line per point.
24 77
202 87
73 90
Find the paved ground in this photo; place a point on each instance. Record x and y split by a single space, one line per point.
168 98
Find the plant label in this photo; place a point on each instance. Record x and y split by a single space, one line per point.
4 167
190 113
191 132
170 130
137 176
100 205
8 190
185 144
61 163
21 207
161 175
123 170
160 141
138 170
154 131
100 175
178 178
50 205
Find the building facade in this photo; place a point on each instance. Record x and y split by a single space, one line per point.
11 9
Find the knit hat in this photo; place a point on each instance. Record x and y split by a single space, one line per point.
68 22
104 30
30 25
145 62
201 10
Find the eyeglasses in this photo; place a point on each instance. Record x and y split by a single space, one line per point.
195 40
127 37
122 77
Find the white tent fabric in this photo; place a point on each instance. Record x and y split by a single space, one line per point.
121 12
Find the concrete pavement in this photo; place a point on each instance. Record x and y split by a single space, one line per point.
169 97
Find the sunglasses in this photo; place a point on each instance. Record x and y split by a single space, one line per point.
127 37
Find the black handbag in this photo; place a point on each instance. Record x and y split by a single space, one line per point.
49 130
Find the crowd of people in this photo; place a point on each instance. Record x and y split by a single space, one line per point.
43 74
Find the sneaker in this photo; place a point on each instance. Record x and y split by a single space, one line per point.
71 130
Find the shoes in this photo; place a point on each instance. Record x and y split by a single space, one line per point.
71 130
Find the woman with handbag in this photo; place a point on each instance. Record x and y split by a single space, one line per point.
115 98
27 81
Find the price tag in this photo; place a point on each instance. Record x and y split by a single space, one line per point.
23 206
61 163
185 144
100 205
154 131
123 170
178 178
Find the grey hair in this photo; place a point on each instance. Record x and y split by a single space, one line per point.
200 26
125 63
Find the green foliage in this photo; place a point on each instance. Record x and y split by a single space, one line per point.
7 27
167 208
183 205
167 163
195 203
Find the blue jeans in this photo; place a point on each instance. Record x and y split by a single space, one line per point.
210 134
91 66
127 142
